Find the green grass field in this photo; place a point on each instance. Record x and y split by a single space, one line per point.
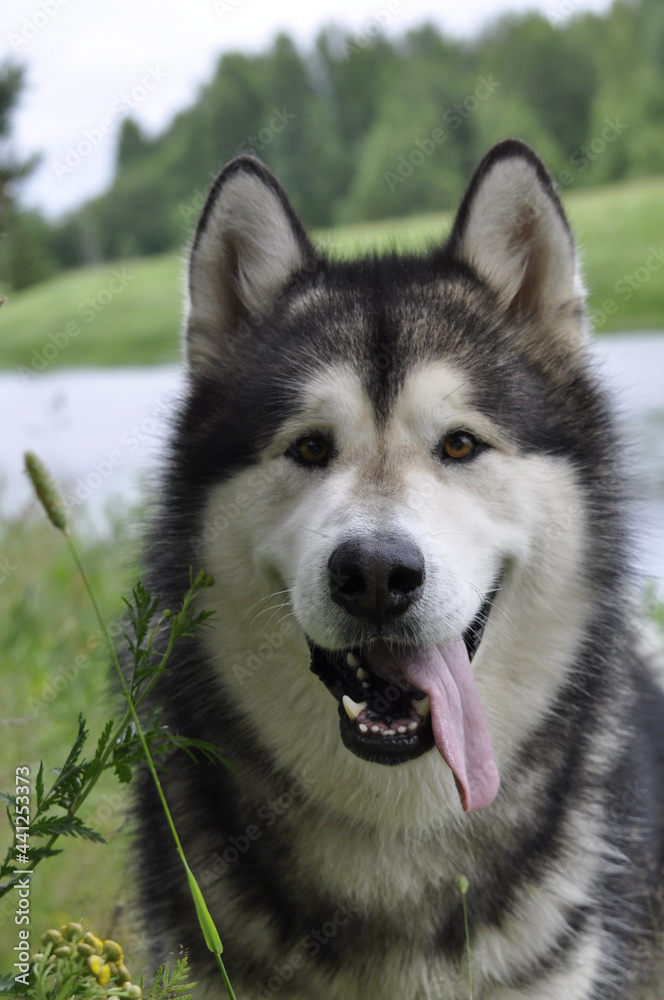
130 312
46 622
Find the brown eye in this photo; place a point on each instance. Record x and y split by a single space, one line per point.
458 445
312 449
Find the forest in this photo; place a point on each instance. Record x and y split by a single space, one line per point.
348 124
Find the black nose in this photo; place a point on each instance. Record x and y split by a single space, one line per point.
377 576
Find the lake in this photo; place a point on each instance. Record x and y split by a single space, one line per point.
101 432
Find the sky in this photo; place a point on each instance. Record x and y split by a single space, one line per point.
92 62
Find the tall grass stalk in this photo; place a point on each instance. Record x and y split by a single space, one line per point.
462 886
56 511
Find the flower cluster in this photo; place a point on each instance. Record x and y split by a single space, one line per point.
76 963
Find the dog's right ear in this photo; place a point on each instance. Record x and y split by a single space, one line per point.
248 244
512 230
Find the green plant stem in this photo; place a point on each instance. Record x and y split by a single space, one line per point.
127 717
468 953
227 982
146 750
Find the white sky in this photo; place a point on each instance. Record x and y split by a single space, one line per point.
83 55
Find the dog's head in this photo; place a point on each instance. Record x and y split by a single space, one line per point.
381 447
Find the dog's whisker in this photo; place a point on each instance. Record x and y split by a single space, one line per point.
492 608
291 614
315 531
261 600
436 534
271 611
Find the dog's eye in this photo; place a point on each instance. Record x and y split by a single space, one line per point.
458 445
311 449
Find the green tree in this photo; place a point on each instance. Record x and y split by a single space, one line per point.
415 155
549 69
132 145
348 126
25 255
12 168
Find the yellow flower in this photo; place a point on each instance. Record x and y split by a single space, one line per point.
94 964
123 975
113 951
101 970
104 975
94 942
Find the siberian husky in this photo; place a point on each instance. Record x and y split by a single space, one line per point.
404 476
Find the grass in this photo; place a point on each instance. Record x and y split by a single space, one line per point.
135 318
91 317
46 622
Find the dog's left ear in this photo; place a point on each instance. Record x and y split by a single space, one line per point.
248 244
511 228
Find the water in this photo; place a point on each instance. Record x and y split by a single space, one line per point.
101 432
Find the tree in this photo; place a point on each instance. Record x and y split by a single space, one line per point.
132 145
24 252
11 168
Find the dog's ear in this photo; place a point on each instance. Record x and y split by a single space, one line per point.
512 230
248 244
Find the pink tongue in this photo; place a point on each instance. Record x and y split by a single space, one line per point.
459 725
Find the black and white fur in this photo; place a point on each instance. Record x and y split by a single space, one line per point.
331 876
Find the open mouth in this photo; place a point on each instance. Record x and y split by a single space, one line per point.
397 703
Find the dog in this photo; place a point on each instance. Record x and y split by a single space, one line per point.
425 661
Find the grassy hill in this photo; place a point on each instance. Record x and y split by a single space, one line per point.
129 312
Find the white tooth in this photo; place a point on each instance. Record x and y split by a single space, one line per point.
362 674
422 707
413 726
352 708
352 660
402 729
389 732
362 728
375 729
365 684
